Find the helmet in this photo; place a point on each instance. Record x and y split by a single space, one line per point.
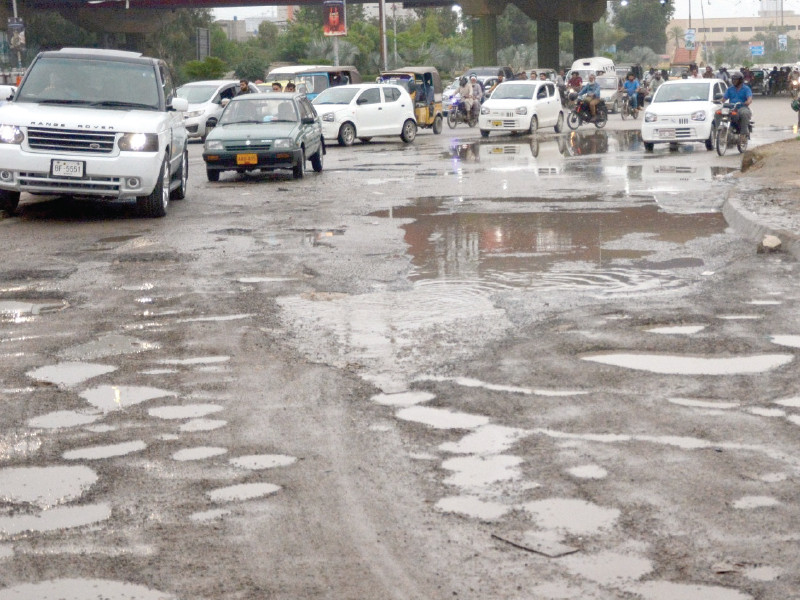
463 81
737 75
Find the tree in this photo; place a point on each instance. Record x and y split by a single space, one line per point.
515 28
606 35
645 21
253 65
676 34
641 55
732 53
208 68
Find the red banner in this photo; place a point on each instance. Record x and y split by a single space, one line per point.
335 18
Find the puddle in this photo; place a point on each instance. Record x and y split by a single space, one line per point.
588 472
243 491
82 589
186 411
773 477
520 249
109 451
440 418
403 398
762 573
200 360
573 516
471 506
740 317
793 402
792 341
202 425
109 345
159 371
198 453
677 329
489 439
62 419
477 383
54 519
20 308
117 397
265 279
608 568
476 472
69 373
217 318
209 515
666 590
694 403
256 462
694 365
766 412
749 502
45 486
764 302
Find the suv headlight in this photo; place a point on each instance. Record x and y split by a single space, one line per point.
214 145
700 115
284 144
522 110
11 134
650 117
139 142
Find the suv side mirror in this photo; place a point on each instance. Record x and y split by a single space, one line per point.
308 120
179 104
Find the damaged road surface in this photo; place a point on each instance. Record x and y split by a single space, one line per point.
488 369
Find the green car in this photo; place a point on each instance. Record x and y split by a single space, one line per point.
264 132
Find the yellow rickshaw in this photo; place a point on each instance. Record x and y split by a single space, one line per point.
425 88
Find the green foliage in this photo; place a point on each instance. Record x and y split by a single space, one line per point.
176 39
606 35
209 68
48 30
515 28
645 22
253 65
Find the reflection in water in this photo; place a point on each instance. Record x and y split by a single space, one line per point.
513 247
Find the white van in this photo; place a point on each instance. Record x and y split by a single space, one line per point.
599 65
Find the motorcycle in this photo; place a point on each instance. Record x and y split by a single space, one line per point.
795 88
728 132
457 113
582 114
627 109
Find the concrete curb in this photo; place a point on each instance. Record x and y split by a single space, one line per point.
748 224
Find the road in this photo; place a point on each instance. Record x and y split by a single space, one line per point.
461 368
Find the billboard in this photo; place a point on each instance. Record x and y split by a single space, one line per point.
335 18
16 32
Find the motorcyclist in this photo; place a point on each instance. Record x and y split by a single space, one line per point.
465 90
500 78
631 87
739 93
575 81
477 94
658 79
591 92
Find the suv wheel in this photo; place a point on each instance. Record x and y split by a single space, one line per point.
9 201
155 205
179 193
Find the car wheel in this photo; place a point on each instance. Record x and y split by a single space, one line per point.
155 204
179 193
299 169
560 123
534 126
347 134
409 131
9 201
648 146
437 125
485 133
710 141
212 175
316 160
365 140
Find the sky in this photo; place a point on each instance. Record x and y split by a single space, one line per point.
711 8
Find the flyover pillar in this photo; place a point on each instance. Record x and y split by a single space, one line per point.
582 39
547 41
484 28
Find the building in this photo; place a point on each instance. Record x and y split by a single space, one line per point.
239 30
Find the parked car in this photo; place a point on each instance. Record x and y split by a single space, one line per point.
98 123
264 132
364 111
522 106
206 101
682 110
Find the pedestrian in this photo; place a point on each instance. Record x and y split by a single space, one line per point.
290 87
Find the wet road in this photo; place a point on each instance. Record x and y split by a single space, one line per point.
503 368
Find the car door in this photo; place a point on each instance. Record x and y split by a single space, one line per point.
369 112
553 103
540 104
312 132
394 109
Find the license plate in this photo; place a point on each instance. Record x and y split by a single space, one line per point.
247 159
497 123
666 133
66 168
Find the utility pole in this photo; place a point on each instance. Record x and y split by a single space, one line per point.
382 14
19 54
394 23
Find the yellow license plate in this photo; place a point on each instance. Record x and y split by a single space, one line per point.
247 159
497 123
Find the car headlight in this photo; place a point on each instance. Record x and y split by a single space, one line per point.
700 115
329 117
284 144
484 110
139 142
522 110
193 113
11 134
214 145
650 117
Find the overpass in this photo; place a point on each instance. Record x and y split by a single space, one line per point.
145 16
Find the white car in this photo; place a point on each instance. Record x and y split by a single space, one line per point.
683 111
522 106
206 103
364 111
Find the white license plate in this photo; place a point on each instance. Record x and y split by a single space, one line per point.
666 133
66 168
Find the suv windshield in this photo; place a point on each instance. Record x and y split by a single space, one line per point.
195 94
101 83
336 96
682 92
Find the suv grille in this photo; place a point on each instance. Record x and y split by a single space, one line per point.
70 140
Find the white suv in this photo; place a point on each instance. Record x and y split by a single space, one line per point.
101 123
205 100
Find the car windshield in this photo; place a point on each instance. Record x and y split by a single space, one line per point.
195 94
97 83
608 83
336 96
258 110
682 92
513 91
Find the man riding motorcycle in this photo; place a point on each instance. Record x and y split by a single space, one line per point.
465 90
631 87
591 92
739 93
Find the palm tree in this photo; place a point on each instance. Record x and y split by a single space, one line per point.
676 33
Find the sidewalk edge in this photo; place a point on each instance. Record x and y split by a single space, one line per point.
747 224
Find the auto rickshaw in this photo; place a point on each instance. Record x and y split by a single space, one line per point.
425 88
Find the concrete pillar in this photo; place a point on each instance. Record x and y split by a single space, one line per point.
582 39
547 41
484 40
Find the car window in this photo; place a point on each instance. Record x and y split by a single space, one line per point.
305 108
229 92
541 93
370 96
336 96
391 94
551 89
